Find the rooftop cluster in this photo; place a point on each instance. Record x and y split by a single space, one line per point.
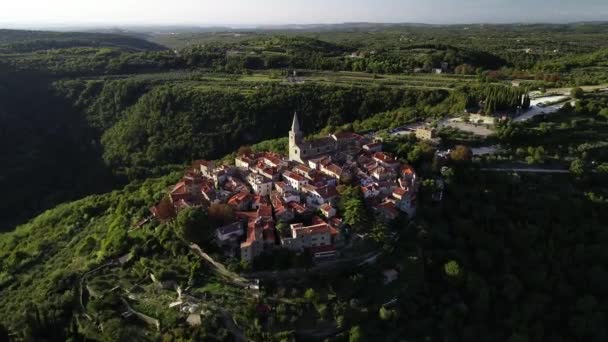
297 194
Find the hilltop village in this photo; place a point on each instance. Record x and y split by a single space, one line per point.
298 194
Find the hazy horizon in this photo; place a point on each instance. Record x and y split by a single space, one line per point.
235 13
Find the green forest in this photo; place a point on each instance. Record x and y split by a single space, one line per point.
94 128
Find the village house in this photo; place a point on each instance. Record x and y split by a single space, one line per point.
306 237
385 159
261 185
317 163
333 170
387 211
241 201
295 180
316 197
206 167
260 232
230 232
327 210
282 187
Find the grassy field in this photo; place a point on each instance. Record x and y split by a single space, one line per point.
209 80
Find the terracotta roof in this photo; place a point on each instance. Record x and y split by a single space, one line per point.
321 228
269 171
326 207
317 220
246 215
308 188
322 142
407 170
274 161
294 176
335 169
399 192
303 168
297 207
179 188
265 210
346 135
327 192
239 198
335 221
389 207
385 157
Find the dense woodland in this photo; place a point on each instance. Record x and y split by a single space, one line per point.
504 257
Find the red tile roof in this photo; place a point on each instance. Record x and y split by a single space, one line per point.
322 228
399 192
179 188
297 207
407 170
265 210
239 198
327 192
294 176
384 157
326 207
335 169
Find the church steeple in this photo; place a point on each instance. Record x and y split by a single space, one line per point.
295 138
295 125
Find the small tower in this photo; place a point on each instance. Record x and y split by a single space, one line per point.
295 137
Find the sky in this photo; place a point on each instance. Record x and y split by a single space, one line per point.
264 12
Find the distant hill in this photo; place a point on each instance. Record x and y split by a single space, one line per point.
28 41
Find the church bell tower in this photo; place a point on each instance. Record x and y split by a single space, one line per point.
295 137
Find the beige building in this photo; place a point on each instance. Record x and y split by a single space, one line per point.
307 237
425 133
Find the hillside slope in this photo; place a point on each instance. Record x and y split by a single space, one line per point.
30 41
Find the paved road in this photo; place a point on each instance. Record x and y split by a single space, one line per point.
325 266
529 170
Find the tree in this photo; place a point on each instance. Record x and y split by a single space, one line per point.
282 226
452 269
192 224
461 154
355 334
355 213
310 295
387 314
423 150
577 167
353 207
244 150
220 213
464 69
577 93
